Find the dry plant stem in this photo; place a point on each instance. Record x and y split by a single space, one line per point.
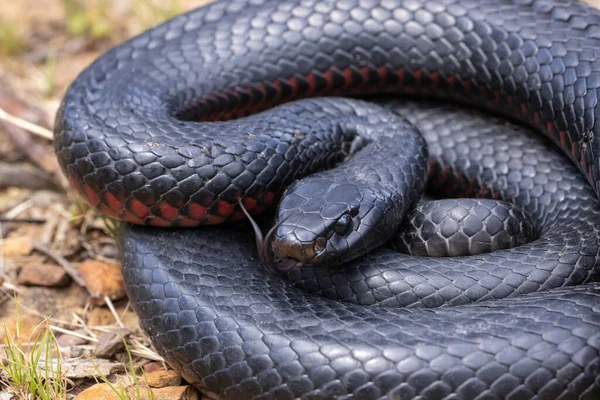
37 153
68 267
60 236
47 233
28 126
72 333
18 209
84 326
112 309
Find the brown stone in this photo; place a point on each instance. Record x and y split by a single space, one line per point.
162 378
104 391
171 393
98 391
102 279
18 246
43 275
99 317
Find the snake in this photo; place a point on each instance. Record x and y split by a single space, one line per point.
214 114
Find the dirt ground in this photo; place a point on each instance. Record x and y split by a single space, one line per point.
58 266
52 246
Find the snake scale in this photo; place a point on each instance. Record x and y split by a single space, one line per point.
169 129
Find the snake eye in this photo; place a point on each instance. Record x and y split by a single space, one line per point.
342 224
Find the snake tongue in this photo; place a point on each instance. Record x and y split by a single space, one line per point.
287 264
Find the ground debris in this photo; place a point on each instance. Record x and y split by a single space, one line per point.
110 343
8 396
79 368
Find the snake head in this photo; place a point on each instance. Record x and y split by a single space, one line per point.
328 223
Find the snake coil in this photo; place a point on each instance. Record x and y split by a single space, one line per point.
148 134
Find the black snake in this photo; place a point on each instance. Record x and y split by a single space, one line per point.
140 135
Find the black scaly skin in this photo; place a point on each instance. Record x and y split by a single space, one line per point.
123 147
459 227
475 154
236 330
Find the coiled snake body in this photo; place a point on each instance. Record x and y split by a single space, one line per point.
134 136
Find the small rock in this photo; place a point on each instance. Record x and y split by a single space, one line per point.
98 391
102 279
162 378
104 391
110 343
43 275
171 393
109 250
99 317
18 246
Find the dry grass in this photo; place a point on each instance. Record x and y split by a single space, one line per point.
33 368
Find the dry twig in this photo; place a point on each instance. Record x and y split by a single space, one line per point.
28 126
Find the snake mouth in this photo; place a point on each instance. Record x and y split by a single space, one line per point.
265 254
287 264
